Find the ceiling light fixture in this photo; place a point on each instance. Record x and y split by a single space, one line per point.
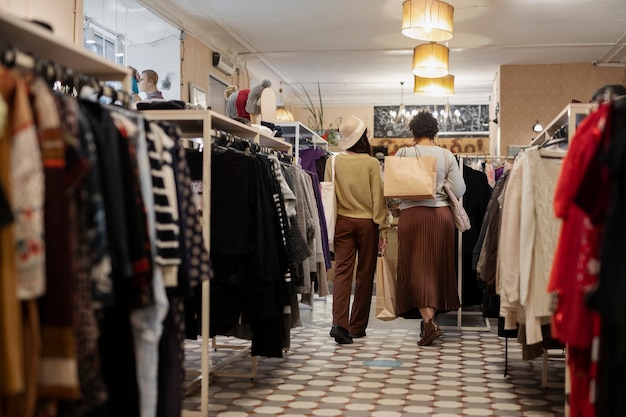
282 114
427 20
537 127
434 87
402 114
431 60
401 109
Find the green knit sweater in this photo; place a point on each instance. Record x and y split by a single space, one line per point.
359 188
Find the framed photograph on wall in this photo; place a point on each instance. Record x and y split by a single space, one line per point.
197 95
215 97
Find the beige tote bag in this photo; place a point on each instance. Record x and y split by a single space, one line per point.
386 271
410 178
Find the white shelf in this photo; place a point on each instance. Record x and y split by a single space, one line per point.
32 39
198 123
571 116
294 131
225 123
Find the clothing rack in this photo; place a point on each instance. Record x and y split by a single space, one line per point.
217 136
203 125
460 313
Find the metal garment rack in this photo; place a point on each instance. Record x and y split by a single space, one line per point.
460 313
197 126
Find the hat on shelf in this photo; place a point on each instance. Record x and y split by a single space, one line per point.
351 131
253 104
240 103
230 94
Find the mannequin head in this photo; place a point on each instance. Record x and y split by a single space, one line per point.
148 81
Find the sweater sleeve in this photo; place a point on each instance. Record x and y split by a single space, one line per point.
379 203
457 183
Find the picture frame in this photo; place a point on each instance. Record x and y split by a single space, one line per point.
197 95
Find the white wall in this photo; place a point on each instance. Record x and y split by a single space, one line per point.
162 57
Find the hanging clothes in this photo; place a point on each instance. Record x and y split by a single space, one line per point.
485 253
611 291
248 293
525 262
475 201
575 269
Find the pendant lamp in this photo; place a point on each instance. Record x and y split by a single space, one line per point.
431 60
282 114
434 87
427 20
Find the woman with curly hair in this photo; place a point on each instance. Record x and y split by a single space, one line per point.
427 279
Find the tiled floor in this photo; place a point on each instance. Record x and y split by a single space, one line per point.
383 375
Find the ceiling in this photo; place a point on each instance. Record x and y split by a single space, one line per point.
355 51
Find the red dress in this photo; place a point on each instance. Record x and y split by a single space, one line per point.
576 263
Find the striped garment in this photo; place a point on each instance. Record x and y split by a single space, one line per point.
168 256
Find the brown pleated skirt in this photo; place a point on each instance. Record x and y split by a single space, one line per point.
426 261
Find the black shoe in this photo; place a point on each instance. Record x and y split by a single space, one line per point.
358 335
341 335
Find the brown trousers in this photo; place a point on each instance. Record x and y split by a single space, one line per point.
354 237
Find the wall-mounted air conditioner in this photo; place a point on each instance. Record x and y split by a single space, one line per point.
223 64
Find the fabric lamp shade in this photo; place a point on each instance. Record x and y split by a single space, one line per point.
434 87
431 60
283 115
427 20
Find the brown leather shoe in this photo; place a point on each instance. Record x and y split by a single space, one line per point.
431 332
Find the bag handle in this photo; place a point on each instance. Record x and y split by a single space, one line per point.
417 151
332 166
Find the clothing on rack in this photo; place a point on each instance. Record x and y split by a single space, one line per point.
311 272
514 251
590 308
249 291
529 232
475 201
578 248
99 293
314 160
484 255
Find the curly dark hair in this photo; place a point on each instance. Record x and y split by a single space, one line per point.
424 125
362 145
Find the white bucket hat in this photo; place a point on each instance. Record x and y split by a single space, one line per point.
351 131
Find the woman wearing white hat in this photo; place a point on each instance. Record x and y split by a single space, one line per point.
361 229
